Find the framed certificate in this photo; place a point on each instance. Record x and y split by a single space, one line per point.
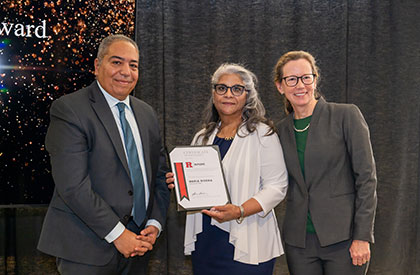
199 178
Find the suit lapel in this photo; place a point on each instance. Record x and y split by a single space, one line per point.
294 155
142 124
101 107
310 156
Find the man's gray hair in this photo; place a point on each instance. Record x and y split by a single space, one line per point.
107 42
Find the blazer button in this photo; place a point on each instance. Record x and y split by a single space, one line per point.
126 217
130 193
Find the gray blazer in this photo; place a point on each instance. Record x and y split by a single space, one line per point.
93 190
340 186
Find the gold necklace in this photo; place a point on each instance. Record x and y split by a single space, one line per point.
301 130
228 138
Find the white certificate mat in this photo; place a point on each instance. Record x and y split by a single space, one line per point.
199 178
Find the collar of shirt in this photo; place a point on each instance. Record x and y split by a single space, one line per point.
112 101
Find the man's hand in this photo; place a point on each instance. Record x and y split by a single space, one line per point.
360 252
128 245
147 235
223 213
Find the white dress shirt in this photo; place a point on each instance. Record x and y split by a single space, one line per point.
129 115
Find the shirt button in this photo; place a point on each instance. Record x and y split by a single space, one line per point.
130 193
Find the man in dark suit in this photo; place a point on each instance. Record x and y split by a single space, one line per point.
108 164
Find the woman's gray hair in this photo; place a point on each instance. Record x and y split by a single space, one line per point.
253 111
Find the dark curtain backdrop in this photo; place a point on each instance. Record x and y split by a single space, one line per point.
369 55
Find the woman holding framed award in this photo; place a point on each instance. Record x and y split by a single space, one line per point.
241 237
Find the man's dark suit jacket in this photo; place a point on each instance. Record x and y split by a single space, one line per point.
340 186
93 190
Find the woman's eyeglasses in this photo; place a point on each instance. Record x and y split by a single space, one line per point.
236 90
292 80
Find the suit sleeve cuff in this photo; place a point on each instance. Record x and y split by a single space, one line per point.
156 224
115 233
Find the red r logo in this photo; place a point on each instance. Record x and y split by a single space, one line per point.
188 165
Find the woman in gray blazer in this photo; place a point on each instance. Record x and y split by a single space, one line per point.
331 199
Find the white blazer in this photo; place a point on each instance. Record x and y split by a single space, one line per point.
254 167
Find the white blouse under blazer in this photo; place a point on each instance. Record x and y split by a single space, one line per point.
254 167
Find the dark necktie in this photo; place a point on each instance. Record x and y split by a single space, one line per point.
135 169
